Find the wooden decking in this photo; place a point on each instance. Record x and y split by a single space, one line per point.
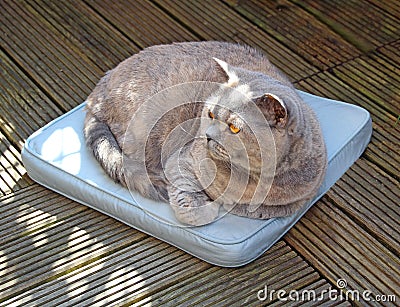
55 252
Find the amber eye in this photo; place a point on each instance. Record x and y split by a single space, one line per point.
234 129
211 114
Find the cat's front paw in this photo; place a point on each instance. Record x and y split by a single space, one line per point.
197 215
194 209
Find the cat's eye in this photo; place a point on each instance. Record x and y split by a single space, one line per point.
234 129
211 114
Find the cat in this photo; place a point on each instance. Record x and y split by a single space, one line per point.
201 155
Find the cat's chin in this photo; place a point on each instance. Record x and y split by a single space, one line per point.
217 151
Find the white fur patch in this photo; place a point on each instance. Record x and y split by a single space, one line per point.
233 79
211 102
222 113
245 90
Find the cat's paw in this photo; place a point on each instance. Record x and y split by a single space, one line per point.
196 214
264 211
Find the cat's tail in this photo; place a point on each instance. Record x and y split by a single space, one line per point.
104 146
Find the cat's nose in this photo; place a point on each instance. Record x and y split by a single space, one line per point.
213 131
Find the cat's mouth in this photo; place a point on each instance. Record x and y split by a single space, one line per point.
216 150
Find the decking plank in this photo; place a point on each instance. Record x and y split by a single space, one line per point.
119 289
365 25
28 194
90 34
288 264
29 212
384 147
143 22
83 276
46 57
199 282
51 47
83 254
279 268
230 26
60 262
53 247
298 30
381 225
390 53
24 107
12 173
389 6
68 53
378 85
375 211
333 243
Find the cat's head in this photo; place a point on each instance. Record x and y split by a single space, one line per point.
249 119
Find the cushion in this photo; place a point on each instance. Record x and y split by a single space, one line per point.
56 157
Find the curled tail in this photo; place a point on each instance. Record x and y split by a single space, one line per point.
106 150
104 146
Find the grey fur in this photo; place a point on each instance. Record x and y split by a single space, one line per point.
215 165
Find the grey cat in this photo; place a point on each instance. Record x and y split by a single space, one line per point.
242 139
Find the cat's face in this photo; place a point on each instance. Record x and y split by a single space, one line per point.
240 129
229 137
238 137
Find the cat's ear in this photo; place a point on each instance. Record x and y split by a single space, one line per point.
231 76
273 109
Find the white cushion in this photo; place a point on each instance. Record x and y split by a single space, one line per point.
56 157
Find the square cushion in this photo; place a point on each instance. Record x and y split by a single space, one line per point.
56 157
